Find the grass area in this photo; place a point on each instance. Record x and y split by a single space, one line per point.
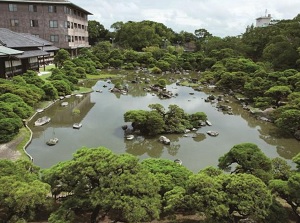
45 76
47 68
189 84
24 134
82 90
101 76
42 104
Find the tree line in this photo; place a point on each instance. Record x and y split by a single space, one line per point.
97 184
261 65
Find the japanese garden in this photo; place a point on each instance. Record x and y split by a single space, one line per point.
141 72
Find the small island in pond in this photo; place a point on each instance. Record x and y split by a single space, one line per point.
160 121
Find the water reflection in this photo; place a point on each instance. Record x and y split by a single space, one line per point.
101 113
63 116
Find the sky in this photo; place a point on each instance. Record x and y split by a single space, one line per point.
219 17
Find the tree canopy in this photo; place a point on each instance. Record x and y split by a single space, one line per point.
157 121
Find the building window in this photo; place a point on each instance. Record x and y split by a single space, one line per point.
54 38
14 22
51 8
12 7
75 25
34 23
68 25
76 38
68 38
67 10
32 8
53 23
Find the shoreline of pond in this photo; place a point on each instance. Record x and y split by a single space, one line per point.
140 148
206 91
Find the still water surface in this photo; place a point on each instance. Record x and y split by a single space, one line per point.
102 117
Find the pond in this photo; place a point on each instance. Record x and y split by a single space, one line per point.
101 115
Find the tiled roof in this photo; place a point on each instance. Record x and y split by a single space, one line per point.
12 39
37 39
32 53
5 51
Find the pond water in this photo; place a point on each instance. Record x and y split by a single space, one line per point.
101 115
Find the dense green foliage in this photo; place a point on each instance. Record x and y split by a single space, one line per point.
248 159
21 191
98 181
262 65
19 95
98 184
157 121
259 65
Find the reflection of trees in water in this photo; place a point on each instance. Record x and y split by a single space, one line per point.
137 90
139 146
198 137
154 149
37 131
173 149
118 95
285 144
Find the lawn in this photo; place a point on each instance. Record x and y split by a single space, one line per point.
47 68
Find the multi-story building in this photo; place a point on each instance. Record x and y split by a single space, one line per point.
263 21
58 21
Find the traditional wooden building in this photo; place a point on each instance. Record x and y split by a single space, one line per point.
6 59
20 52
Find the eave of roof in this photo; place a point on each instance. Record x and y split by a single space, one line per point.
5 51
56 2
32 53
49 48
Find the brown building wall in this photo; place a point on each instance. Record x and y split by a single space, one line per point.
43 16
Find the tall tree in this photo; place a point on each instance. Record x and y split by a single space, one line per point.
97 32
61 56
21 191
99 181
249 159
222 197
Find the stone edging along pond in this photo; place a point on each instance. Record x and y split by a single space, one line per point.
27 120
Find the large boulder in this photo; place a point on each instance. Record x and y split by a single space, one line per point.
164 140
297 135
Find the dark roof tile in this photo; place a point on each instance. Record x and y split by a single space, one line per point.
12 39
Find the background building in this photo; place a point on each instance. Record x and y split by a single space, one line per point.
263 21
58 21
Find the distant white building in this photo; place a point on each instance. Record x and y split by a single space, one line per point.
263 21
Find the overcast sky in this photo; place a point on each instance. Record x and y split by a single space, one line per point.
219 17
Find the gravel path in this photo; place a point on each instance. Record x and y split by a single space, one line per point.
9 150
